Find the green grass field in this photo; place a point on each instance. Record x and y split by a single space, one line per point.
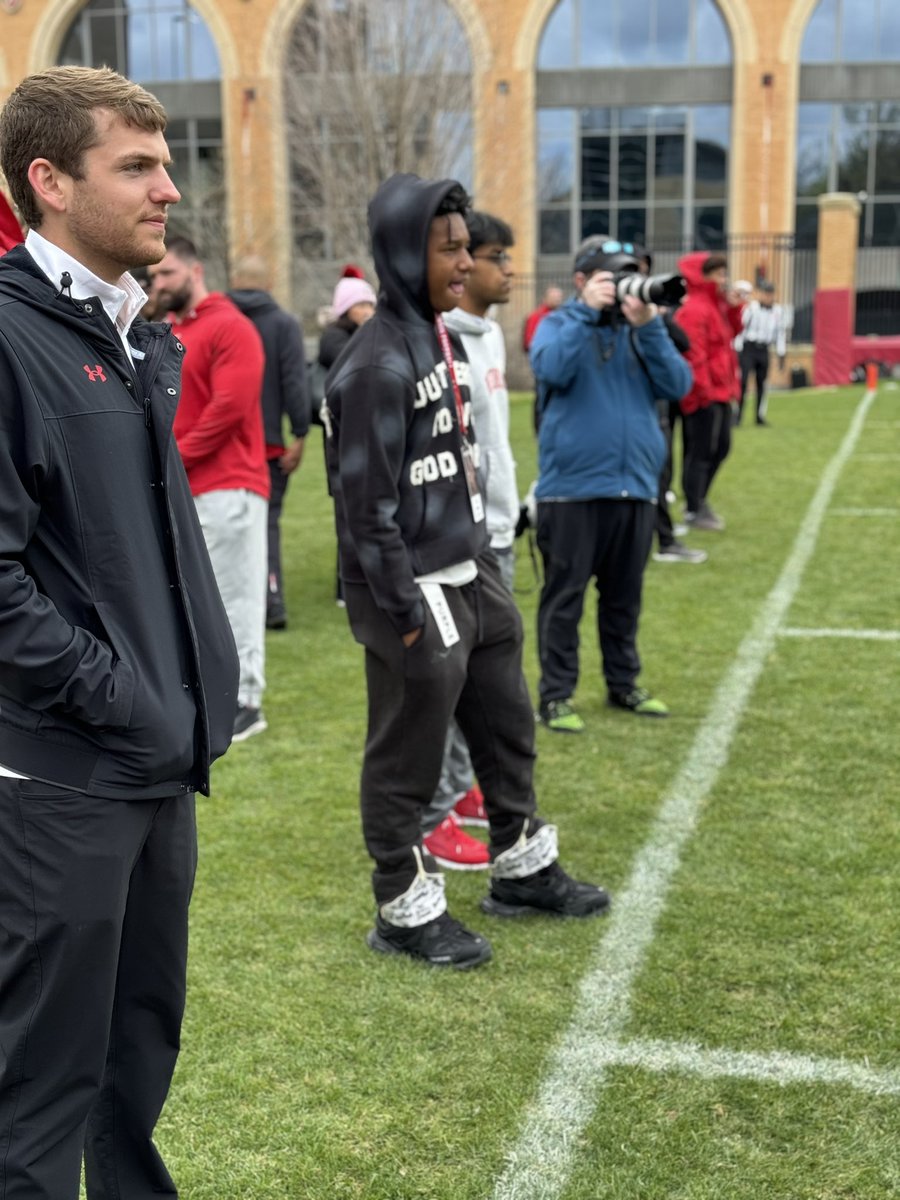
731 1032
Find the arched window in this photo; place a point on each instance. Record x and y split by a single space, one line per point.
632 33
848 124
166 46
651 165
371 87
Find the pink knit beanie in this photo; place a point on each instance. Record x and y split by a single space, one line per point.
349 292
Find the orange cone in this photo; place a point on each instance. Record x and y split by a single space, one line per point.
871 376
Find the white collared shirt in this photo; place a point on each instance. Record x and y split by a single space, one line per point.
122 300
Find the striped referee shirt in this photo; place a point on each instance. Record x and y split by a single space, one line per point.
765 325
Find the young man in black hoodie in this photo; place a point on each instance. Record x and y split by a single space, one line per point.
118 672
424 594
284 394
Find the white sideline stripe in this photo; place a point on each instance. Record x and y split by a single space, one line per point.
777 1067
538 1164
864 512
865 635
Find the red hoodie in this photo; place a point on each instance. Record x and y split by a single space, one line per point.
218 424
711 323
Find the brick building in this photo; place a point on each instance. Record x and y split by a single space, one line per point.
678 122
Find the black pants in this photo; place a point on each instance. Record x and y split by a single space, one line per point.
274 594
412 693
754 361
609 541
669 416
707 440
93 947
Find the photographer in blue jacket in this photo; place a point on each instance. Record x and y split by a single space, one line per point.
601 360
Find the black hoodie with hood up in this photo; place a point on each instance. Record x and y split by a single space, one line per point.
393 439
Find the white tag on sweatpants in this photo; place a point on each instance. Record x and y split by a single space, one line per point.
440 610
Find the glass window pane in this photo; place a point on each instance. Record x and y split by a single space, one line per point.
858 40
813 156
558 39
632 225
635 118
711 133
889 114
712 43
889 30
669 166
806 225
595 118
555 235
595 168
597 42
853 156
820 40
104 46
137 32
594 221
204 57
668 223
635 33
886 225
669 120
709 227
887 161
556 171
672 31
632 167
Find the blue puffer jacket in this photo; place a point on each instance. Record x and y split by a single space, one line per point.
599 434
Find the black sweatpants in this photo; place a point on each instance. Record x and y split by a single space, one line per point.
609 541
707 440
93 946
412 693
754 361
279 482
669 415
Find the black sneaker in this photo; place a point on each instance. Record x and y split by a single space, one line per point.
443 942
276 617
550 892
247 722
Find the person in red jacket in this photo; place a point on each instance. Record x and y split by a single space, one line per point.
219 432
711 321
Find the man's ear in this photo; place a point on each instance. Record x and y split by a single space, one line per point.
580 280
51 186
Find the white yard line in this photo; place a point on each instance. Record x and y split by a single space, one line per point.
775 1067
865 635
864 512
540 1162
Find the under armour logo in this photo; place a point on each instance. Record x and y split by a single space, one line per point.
95 373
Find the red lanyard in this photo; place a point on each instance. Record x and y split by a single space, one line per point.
447 351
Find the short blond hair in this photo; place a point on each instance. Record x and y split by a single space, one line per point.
52 115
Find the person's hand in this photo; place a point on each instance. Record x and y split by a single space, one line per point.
290 460
410 639
599 291
637 313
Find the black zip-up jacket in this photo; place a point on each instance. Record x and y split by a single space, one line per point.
118 673
394 449
284 388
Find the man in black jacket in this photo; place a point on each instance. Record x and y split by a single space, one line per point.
118 673
424 594
284 394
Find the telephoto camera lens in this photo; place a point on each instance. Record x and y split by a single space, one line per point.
651 289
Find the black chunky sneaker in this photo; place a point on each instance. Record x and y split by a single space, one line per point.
550 892
443 942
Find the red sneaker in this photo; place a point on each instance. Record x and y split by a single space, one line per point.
451 847
470 810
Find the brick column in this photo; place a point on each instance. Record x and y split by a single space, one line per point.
834 311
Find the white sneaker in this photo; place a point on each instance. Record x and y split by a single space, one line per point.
678 552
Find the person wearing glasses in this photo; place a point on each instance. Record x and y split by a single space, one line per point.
458 800
601 366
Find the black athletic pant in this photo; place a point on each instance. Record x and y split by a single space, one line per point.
669 416
754 361
707 440
609 541
93 946
274 594
412 693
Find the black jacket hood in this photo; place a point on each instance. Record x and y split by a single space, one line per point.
252 300
400 216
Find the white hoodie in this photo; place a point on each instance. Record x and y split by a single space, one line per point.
485 349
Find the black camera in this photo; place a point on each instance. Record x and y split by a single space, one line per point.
650 289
